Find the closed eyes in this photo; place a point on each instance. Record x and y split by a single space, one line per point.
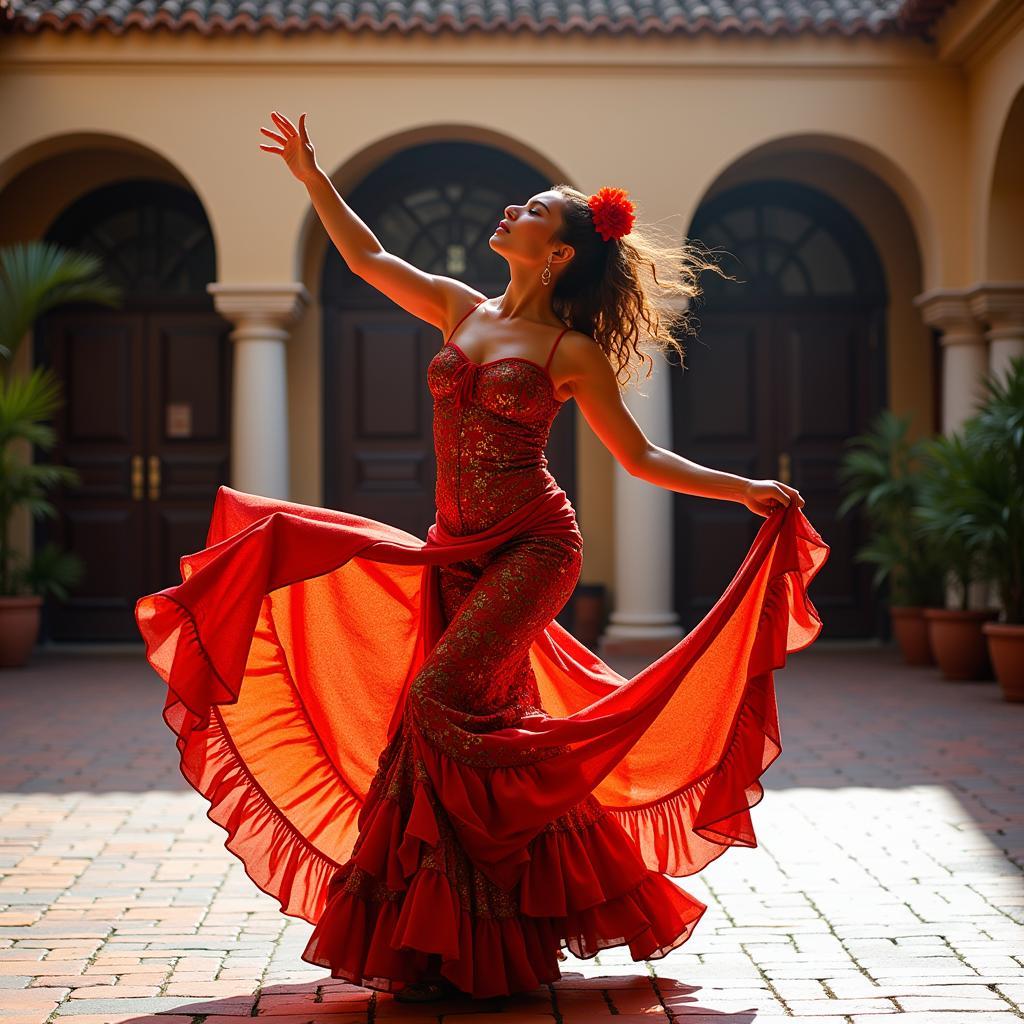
534 210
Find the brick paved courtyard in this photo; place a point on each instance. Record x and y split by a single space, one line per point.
888 880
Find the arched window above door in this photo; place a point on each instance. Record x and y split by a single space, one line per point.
436 206
787 244
441 228
152 236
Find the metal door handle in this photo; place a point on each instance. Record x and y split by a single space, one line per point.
136 478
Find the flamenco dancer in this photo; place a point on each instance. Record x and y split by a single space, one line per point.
404 746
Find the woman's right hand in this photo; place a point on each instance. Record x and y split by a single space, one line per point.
296 149
765 496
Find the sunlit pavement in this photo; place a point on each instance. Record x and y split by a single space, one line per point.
887 879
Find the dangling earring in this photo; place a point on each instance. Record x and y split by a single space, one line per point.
545 275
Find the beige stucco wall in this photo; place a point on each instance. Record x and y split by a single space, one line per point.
995 146
906 142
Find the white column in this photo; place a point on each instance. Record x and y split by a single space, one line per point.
964 365
644 621
964 353
1001 306
262 315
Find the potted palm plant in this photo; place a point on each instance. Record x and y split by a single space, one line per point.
999 518
880 472
34 277
957 477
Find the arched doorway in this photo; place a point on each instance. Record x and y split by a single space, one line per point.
434 205
146 409
1004 260
786 367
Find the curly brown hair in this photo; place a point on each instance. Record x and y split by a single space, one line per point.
608 288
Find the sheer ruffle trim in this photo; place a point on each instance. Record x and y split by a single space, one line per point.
676 835
276 856
583 891
566 869
683 832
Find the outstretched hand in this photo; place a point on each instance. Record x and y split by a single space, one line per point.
296 149
765 496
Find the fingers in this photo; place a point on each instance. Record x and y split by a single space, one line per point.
273 135
284 124
792 494
270 149
302 127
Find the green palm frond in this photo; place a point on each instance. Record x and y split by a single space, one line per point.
880 472
38 276
53 571
24 402
972 498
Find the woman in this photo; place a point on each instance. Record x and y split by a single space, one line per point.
526 797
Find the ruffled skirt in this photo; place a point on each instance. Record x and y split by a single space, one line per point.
420 837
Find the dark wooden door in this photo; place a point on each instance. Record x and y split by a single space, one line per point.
788 364
434 205
773 397
146 423
382 417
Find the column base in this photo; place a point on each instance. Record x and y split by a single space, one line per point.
638 641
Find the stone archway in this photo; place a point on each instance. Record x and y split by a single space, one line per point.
1004 255
147 404
435 205
788 364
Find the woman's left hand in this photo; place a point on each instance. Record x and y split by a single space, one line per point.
765 496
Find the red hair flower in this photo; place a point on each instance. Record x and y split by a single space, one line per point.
613 212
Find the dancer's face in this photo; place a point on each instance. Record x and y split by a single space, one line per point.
530 237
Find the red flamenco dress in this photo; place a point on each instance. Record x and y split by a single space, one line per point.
409 752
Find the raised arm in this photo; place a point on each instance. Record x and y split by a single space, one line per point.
586 371
430 297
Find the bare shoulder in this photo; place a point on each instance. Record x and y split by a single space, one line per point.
580 354
459 299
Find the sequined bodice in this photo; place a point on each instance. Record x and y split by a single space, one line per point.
491 424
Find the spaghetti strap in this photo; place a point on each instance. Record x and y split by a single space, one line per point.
553 347
459 324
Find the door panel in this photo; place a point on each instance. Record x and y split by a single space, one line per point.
723 418
187 434
101 360
823 393
434 204
377 418
146 425
772 396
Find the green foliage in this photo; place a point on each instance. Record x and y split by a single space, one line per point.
996 432
36 277
950 496
881 473
39 276
973 501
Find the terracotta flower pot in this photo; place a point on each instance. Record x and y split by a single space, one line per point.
19 628
958 642
911 632
1006 649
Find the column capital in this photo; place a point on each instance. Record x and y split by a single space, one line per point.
1000 304
949 310
277 305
